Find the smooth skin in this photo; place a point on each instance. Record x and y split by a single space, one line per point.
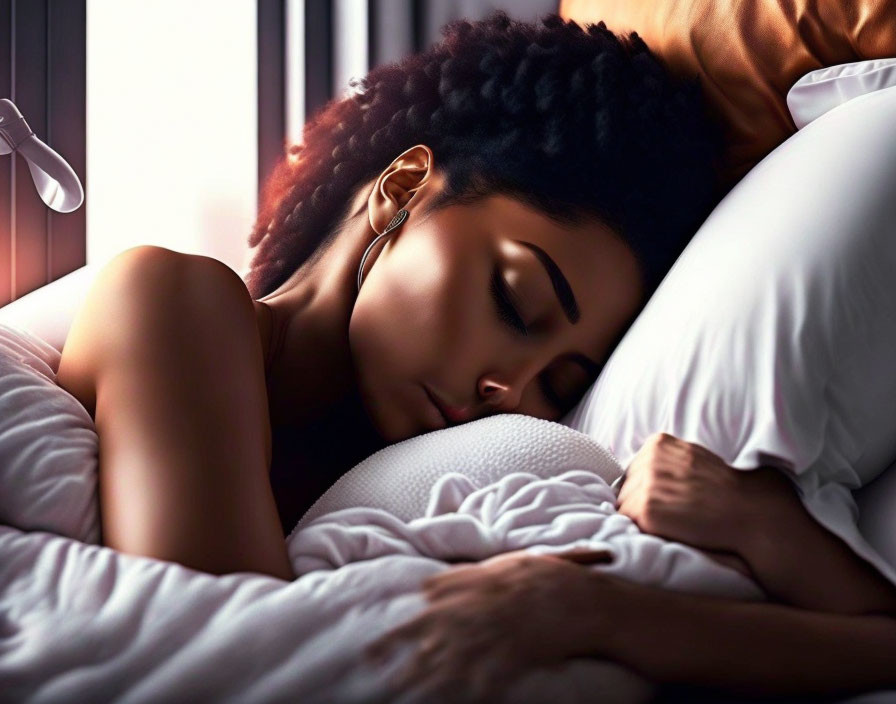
425 315
186 375
165 355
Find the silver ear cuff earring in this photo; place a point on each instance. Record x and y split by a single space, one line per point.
395 222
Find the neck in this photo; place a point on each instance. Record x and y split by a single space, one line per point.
308 368
308 365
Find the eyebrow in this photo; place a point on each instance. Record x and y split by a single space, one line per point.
561 285
567 301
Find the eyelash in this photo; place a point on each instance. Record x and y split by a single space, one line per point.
508 314
506 311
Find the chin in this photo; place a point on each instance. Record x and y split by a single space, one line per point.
375 414
387 421
387 435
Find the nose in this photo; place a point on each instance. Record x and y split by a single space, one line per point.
501 396
504 391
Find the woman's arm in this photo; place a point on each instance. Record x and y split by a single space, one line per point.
681 491
797 561
169 345
749 649
472 631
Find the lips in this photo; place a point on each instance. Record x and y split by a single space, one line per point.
452 414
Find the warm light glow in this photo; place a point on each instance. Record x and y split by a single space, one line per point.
295 70
172 135
350 32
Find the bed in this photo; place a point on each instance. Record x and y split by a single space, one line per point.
81 622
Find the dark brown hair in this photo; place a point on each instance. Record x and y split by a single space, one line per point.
574 121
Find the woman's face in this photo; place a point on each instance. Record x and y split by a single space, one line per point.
463 305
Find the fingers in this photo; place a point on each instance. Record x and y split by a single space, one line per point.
672 444
586 556
423 665
616 486
380 649
489 677
471 574
434 669
452 578
632 484
377 652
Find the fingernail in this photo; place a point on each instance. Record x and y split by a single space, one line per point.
375 654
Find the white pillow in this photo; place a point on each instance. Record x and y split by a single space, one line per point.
48 311
771 340
826 88
400 477
48 444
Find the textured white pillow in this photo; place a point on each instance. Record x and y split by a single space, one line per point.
400 477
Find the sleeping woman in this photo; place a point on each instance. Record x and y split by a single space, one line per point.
469 233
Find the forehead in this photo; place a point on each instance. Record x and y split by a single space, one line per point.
587 253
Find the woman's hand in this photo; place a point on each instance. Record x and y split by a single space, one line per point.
488 622
681 491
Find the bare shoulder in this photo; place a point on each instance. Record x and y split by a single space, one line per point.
213 275
149 285
166 356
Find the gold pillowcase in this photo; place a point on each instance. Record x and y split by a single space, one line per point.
748 53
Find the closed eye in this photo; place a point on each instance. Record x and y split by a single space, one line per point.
508 313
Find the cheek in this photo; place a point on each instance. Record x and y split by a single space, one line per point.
387 333
417 324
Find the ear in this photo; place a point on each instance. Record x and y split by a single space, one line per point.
398 184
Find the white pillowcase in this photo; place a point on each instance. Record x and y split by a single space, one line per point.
826 88
48 444
771 340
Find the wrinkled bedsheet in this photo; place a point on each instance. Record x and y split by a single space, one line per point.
82 622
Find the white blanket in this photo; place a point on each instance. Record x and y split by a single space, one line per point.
82 622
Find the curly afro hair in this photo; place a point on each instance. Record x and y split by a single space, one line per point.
577 122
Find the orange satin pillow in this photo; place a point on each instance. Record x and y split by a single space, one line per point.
748 53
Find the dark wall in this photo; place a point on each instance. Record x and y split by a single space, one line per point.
43 57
